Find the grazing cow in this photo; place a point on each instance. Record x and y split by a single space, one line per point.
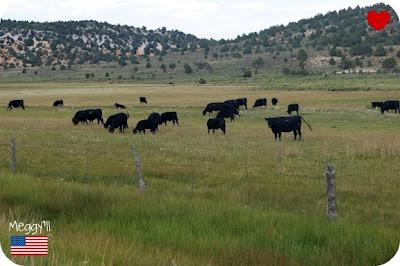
376 104
58 103
142 125
120 106
84 116
16 104
241 102
143 100
171 83
119 121
169 116
211 107
293 107
216 123
228 113
274 101
260 102
390 105
156 117
286 124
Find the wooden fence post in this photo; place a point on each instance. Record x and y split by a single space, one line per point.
138 164
13 157
330 173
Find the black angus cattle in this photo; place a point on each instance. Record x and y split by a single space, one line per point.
241 102
169 116
120 106
286 124
233 103
216 123
211 107
142 125
156 117
228 113
260 102
171 83
84 116
143 99
293 107
119 121
376 104
16 104
274 101
58 103
390 105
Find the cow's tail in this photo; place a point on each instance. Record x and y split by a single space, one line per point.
306 122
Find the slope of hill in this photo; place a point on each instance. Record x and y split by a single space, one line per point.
331 43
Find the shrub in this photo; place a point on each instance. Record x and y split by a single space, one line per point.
187 68
389 63
247 74
202 81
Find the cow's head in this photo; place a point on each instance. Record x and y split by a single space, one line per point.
268 122
75 121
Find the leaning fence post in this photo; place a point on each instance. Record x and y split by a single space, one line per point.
138 164
13 159
330 173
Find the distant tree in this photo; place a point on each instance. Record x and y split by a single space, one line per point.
92 75
53 68
35 72
332 61
148 65
172 66
121 61
29 42
87 75
380 51
398 54
187 68
346 63
63 67
107 75
24 71
120 77
160 59
135 69
335 52
258 63
389 63
302 55
286 71
247 74
163 67
134 61
247 50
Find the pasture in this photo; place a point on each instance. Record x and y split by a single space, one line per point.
242 198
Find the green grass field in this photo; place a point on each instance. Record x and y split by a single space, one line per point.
238 199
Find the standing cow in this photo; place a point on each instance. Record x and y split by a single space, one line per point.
84 116
169 116
16 104
274 101
216 123
286 124
143 100
293 107
142 125
119 121
260 102
390 105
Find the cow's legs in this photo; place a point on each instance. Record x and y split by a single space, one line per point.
280 135
299 131
276 135
295 134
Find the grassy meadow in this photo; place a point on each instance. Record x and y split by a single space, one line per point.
238 199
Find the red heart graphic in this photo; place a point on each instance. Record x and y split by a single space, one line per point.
378 20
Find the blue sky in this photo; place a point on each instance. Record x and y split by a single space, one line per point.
204 18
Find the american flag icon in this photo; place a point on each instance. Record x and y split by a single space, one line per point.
29 245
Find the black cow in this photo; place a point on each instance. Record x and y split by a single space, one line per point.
58 103
120 106
211 107
233 103
16 104
286 124
169 116
88 115
216 123
142 100
242 102
142 125
119 121
228 113
260 102
390 105
274 101
156 117
293 107
376 104
171 83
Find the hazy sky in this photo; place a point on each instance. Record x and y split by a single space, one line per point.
204 18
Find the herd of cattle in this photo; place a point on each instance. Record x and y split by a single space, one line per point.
227 109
